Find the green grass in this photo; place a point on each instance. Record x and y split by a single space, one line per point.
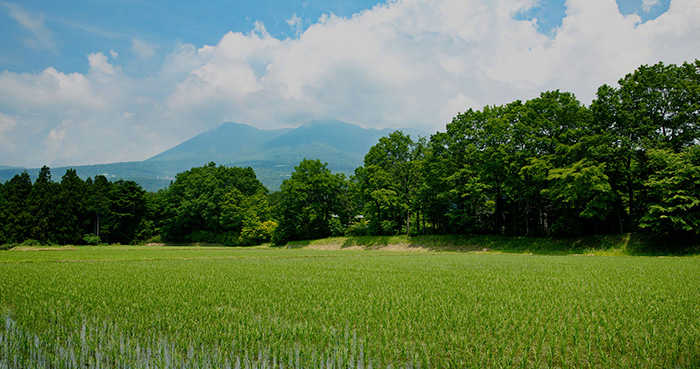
213 307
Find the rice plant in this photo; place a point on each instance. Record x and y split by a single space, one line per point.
170 308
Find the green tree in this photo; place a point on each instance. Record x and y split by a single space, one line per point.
17 220
151 222
552 142
391 181
246 215
98 206
674 199
42 204
483 151
655 107
579 191
310 198
127 210
192 205
72 221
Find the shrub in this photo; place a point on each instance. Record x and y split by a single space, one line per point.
91 239
358 228
30 242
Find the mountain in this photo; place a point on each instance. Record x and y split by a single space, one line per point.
340 135
273 154
3 167
222 142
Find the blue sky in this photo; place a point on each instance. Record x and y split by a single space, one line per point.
550 13
102 81
78 28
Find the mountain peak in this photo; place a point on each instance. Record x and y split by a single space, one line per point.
221 142
340 135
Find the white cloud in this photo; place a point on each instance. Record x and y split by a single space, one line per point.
143 49
295 23
48 91
55 139
7 124
403 63
99 64
41 36
648 5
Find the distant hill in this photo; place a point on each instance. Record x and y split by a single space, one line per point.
271 153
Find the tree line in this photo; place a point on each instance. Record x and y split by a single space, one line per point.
629 162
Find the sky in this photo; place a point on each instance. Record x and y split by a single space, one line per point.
102 81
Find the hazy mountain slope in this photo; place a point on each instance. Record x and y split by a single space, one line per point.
222 142
273 154
151 177
339 135
273 165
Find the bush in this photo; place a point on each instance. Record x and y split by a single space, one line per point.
202 237
91 239
358 228
229 239
155 239
257 233
336 227
389 227
31 242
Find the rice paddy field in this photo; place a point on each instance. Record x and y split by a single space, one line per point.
198 307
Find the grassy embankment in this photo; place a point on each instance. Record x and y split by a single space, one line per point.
610 245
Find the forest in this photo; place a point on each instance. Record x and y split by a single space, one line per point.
549 166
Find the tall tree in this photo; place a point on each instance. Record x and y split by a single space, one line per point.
310 198
553 150
42 206
127 208
72 222
98 206
391 179
656 106
17 219
3 214
674 200
579 191
247 215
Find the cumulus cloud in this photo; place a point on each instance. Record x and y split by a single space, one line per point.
99 64
48 91
404 63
